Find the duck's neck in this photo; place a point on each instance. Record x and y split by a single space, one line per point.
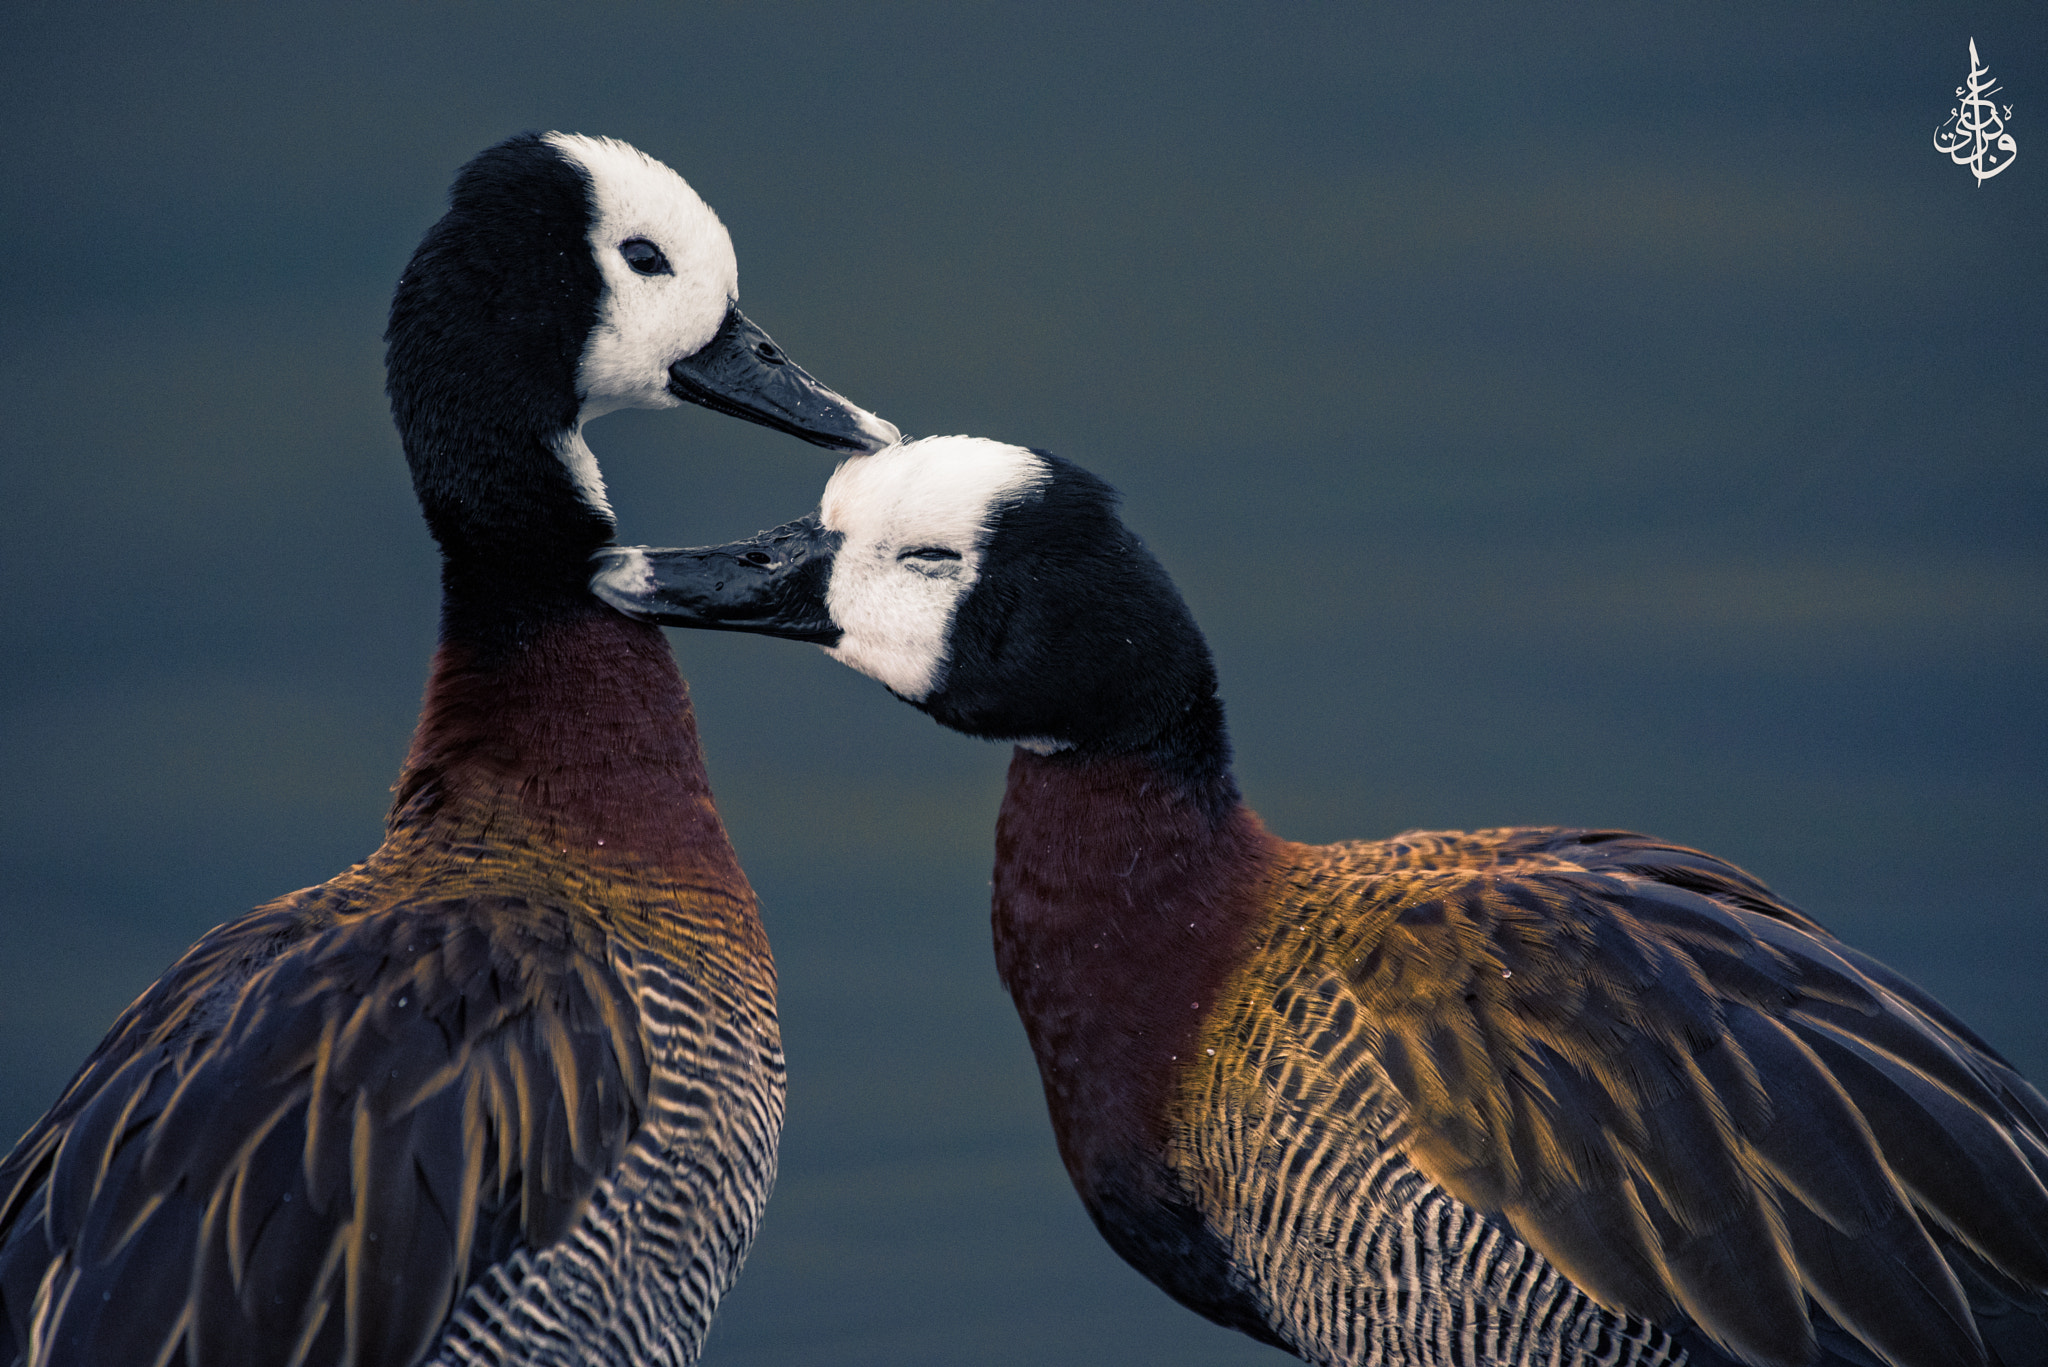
553 723
1124 886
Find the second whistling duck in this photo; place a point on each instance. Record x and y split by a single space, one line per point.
1457 1099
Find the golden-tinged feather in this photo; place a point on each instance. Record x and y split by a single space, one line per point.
1693 1101
374 1120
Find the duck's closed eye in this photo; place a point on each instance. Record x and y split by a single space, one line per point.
928 553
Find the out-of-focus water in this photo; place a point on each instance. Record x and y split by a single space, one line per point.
1624 419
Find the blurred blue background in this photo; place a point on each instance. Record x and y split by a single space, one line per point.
1620 417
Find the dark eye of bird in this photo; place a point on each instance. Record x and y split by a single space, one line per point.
644 257
929 553
758 558
768 352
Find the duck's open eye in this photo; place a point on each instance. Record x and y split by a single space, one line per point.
928 553
644 257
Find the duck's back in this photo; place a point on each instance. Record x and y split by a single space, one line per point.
1450 1069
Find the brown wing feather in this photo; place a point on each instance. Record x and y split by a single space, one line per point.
1688 1096
305 1141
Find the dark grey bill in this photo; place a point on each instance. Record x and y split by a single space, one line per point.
772 584
742 372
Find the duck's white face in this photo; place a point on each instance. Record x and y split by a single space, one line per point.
669 274
914 521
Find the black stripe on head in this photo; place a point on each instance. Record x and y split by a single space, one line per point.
487 328
1074 633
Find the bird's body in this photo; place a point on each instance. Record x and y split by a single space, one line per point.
509 1091
397 1093
1446 1100
1280 1079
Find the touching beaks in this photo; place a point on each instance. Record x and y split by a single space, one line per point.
742 372
771 584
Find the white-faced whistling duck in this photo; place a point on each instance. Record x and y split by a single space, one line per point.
1503 1097
508 1091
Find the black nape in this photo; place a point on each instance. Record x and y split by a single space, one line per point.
487 327
1074 633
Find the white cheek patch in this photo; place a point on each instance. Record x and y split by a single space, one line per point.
647 322
897 613
895 621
